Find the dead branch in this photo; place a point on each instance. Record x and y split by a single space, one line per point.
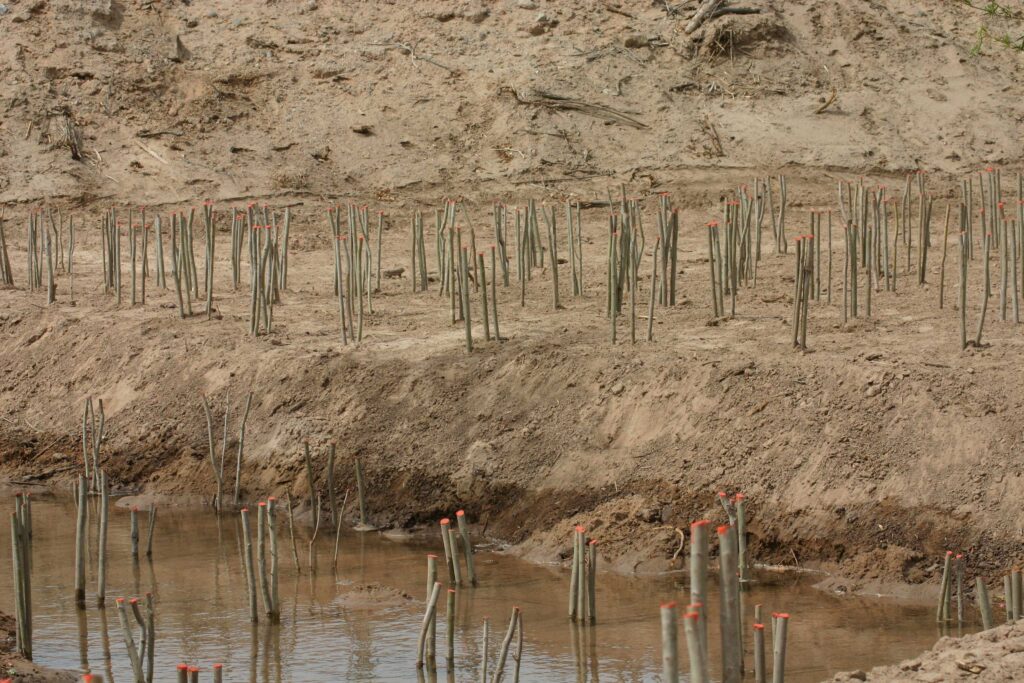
713 9
151 153
702 14
828 102
411 51
616 10
712 133
70 136
158 133
722 11
558 102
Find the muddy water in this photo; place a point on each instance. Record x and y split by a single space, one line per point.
334 629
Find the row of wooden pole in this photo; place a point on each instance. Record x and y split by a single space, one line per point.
426 648
734 571
263 572
21 559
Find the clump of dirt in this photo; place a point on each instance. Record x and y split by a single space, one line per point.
756 36
372 596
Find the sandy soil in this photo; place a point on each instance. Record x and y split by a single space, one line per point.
869 456
994 655
178 100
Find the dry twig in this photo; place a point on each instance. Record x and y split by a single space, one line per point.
558 102
828 102
411 51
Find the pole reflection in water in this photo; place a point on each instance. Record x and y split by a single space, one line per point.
108 663
592 649
267 653
83 640
254 652
578 646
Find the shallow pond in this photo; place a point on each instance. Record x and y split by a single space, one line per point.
334 629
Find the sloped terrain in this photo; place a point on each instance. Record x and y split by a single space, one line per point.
176 101
872 454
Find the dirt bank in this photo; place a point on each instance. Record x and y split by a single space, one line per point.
17 668
994 655
873 453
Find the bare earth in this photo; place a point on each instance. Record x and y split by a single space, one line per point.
994 655
869 455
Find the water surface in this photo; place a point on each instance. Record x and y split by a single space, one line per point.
330 631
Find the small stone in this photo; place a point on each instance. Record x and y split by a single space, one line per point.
180 53
649 515
858 675
873 390
310 6
526 4
3 9
635 40
617 389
